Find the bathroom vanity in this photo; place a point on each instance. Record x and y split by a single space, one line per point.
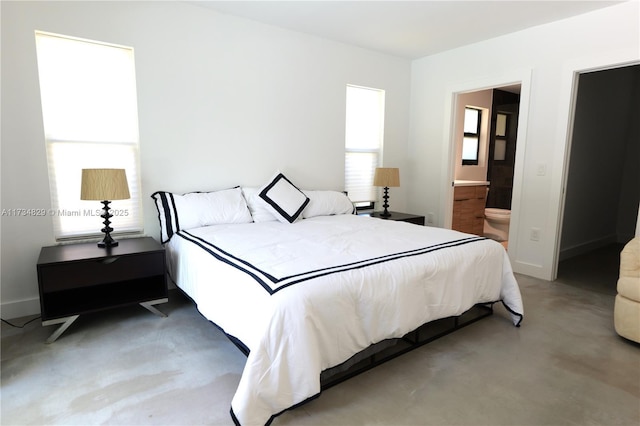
469 197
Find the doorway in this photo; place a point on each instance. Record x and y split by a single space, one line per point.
603 180
491 175
514 78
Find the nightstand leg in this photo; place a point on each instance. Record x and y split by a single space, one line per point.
153 309
66 322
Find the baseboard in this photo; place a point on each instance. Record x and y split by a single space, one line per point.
529 269
20 308
586 247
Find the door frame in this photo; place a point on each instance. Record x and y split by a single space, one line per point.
520 77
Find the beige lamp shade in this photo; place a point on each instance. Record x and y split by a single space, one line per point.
104 184
387 177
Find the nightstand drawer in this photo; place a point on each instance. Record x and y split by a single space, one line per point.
90 272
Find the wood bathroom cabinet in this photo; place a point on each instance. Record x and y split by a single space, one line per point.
468 208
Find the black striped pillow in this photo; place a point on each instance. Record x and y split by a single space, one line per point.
196 209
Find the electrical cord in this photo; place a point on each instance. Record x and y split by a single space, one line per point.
20 326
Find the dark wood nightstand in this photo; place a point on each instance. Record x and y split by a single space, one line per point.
77 279
402 217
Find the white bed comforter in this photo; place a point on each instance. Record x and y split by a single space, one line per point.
307 296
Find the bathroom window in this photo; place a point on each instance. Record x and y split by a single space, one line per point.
500 146
471 139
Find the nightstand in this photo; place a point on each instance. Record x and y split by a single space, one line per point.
76 279
402 217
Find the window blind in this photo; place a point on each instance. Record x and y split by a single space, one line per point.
89 111
364 134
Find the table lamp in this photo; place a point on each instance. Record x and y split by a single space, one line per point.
105 185
386 177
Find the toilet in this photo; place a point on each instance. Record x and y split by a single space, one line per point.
496 223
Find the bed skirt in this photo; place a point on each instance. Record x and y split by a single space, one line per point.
389 349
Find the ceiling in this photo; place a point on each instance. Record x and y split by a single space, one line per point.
409 29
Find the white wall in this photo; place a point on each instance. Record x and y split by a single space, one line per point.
222 101
550 54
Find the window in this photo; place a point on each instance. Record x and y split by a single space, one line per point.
363 143
500 145
90 116
471 139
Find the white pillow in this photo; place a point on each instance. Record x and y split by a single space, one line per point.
283 198
327 203
196 209
257 206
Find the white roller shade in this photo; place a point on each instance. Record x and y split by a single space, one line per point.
90 116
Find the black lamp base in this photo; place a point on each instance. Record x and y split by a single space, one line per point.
385 213
107 242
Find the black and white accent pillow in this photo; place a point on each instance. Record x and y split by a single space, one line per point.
166 205
283 198
195 209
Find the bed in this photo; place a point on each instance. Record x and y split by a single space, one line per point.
305 286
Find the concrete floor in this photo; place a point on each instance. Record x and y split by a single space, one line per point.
564 366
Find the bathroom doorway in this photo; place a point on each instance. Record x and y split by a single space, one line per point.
495 167
516 81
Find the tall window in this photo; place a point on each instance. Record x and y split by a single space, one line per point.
363 142
471 139
90 115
